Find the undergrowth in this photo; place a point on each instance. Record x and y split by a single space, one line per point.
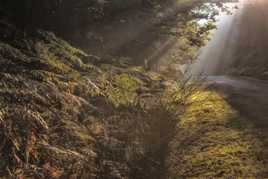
67 114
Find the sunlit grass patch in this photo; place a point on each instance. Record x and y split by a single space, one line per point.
154 76
214 141
123 89
206 106
127 82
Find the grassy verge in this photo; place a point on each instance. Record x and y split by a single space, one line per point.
213 140
67 114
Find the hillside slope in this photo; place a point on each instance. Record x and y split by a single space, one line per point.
67 114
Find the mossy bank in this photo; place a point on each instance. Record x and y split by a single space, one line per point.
68 114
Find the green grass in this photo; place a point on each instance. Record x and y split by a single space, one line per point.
212 140
123 90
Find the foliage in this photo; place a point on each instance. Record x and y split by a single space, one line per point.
212 140
63 15
124 91
62 116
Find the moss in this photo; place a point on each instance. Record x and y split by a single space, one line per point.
154 76
123 90
126 82
58 66
79 103
137 69
213 141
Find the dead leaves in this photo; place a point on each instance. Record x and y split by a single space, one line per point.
50 171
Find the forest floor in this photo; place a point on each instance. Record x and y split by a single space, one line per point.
68 114
226 133
104 114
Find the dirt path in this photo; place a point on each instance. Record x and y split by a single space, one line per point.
223 133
